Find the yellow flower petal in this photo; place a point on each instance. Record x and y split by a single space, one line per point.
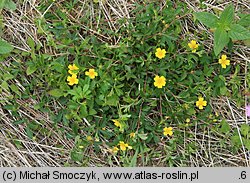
91 73
201 103
132 135
89 138
168 131
160 53
72 80
223 57
116 123
193 45
123 146
115 149
73 67
224 61
159 81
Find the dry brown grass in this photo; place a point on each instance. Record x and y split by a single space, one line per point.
54 150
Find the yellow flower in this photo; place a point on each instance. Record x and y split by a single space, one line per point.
81 147
187 120
117 123
72 68
159 81
193 45
200 103
72 79
160 53
123 146
115 149
132 135
89 138
168 131
91 73
223 61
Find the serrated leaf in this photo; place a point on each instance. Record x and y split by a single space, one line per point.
221 39
227 16
208 19
56 93
244 21
244 129
5 47
236 140
225 127
238 32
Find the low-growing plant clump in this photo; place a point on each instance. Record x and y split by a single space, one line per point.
138 97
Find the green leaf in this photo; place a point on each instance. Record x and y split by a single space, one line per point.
4 85
76 156
29 132
236 141
92 111
18 122
208 19
5 47
134 159
225 128
223 90
143 136
227 16
238 32
56 93
83 111
244 129
15 89
221 39
112 100
31 43
247 144
244 21
10 5
31 69
7 76
2 4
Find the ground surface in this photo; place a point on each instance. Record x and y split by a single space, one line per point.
25 26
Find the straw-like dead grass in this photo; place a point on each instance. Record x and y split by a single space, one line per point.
55 149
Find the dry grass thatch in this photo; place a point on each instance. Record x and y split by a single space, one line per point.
55 149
